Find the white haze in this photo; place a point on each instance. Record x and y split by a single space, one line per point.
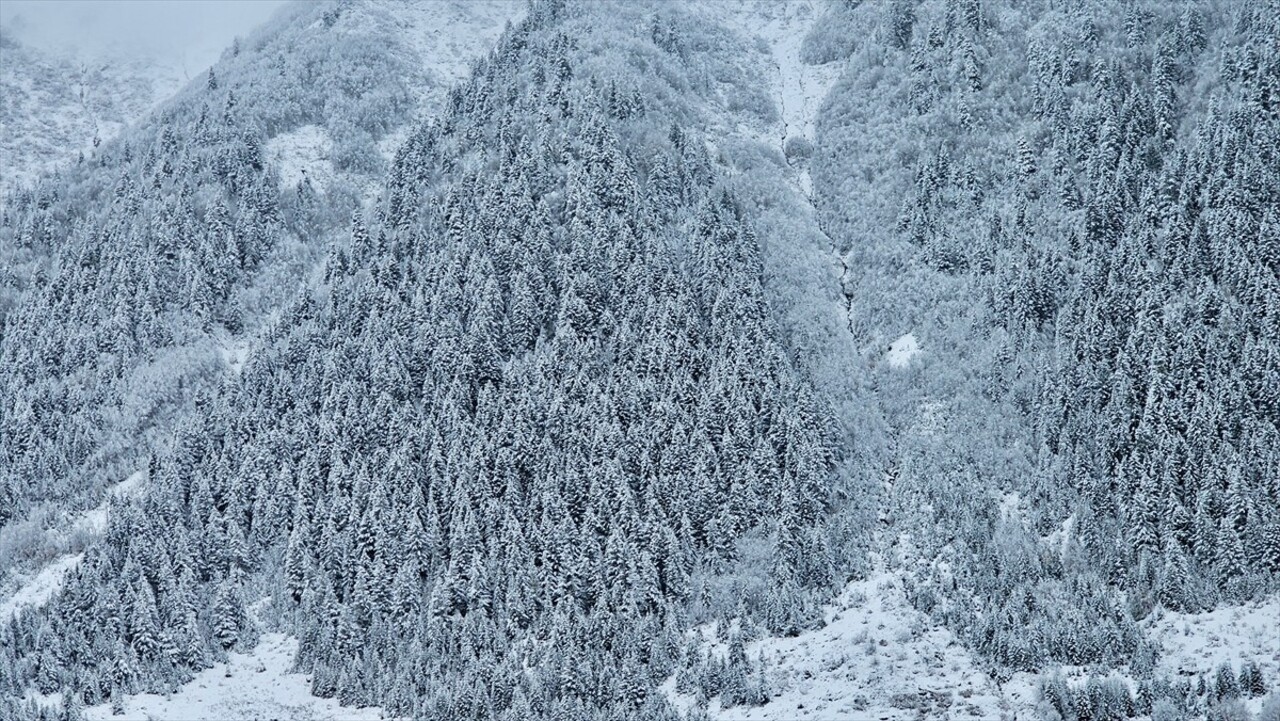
188 34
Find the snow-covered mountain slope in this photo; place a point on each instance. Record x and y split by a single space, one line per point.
258 684
765 141
326 91
426 47
549 71
798 680
598 361
798 88
35 590
53 106
432 43
55 109
440 40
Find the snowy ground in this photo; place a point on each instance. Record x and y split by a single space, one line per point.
1195 644
234 350
54 104
95 519
302 153
877 658
254 685
258 684
37 589
902 350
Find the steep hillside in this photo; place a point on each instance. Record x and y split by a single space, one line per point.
541 376
652 360
138 278
1070 209
957 193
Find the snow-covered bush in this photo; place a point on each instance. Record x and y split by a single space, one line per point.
798 147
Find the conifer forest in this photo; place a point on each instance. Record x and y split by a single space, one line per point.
647 360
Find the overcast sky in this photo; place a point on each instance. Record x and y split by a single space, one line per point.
191 32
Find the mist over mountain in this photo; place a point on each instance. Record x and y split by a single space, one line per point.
586 359
191 34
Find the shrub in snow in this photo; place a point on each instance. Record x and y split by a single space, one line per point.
798 148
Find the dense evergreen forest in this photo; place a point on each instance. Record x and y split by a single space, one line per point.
529 403
556 390
1076 205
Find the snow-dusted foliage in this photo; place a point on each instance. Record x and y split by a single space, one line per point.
526 416
122 282
655 360
1071 206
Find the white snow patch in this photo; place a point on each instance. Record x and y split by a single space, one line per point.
902 350
1199 642
254 685
233 350
877 658
1192 645
94 520
258 684
1059 539
39 588
302 153
129 486
1011 506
